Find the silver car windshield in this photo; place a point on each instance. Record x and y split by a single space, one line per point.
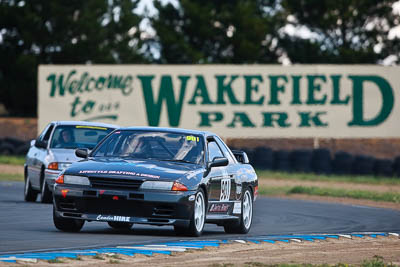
77 136
164 146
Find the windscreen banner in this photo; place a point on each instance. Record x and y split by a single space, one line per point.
256 101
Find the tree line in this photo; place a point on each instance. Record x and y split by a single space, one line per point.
34 32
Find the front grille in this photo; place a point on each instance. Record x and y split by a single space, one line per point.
115 183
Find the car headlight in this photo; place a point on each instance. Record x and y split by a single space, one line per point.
156 185
58 166
74 179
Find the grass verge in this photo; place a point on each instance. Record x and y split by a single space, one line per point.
262 174
330 192
11 177
13 160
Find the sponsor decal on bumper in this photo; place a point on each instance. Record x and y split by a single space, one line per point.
111 218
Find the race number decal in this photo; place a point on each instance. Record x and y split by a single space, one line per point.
225 190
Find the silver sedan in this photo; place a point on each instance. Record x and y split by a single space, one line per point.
54 150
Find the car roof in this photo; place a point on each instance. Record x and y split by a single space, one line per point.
171 130
85 123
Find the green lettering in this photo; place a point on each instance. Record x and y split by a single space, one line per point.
358 100
240 117
336 91
59 84
296 90
206 118
277 118
275 88
307 117
313 88
223 88
166 93
250 88
200 91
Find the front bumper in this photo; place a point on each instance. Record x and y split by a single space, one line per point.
143 207
50 177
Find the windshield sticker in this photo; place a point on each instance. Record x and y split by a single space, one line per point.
192 138
119 173
91 127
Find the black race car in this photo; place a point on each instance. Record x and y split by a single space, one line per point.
158 176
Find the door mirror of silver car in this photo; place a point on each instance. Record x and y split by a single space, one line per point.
82 152
33 142
241 156
41 144
218 162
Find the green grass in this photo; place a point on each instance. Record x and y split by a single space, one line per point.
13 160
262 174
11 177
330 192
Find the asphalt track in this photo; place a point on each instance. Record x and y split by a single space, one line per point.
28 227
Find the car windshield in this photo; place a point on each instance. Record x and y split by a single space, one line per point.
164 146
78 136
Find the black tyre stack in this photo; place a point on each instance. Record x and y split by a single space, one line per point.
383 167
263 158
363 165
282 161
321 161
301 160
342 163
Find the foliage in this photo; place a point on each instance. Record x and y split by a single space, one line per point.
60 32
188 31
223 31
345 31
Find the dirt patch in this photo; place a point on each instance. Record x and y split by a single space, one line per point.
11 169
331 251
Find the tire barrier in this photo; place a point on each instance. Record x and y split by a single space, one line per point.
13 146
396 166
342 163
282 161
301 160
7 149
263 158
383 167
363 165
321 162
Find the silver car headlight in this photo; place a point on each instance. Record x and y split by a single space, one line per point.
75 179
156 185
63 166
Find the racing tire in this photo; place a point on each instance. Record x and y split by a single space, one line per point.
30 194
198 218
67 224
120 225
246 218
45 193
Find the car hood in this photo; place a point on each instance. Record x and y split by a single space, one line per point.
142 169
63 155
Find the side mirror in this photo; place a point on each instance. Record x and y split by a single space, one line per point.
40 144
33 142
218 162
82 152
241 156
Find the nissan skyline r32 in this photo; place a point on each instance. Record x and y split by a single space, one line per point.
158 176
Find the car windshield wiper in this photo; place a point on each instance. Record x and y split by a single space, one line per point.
178 160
